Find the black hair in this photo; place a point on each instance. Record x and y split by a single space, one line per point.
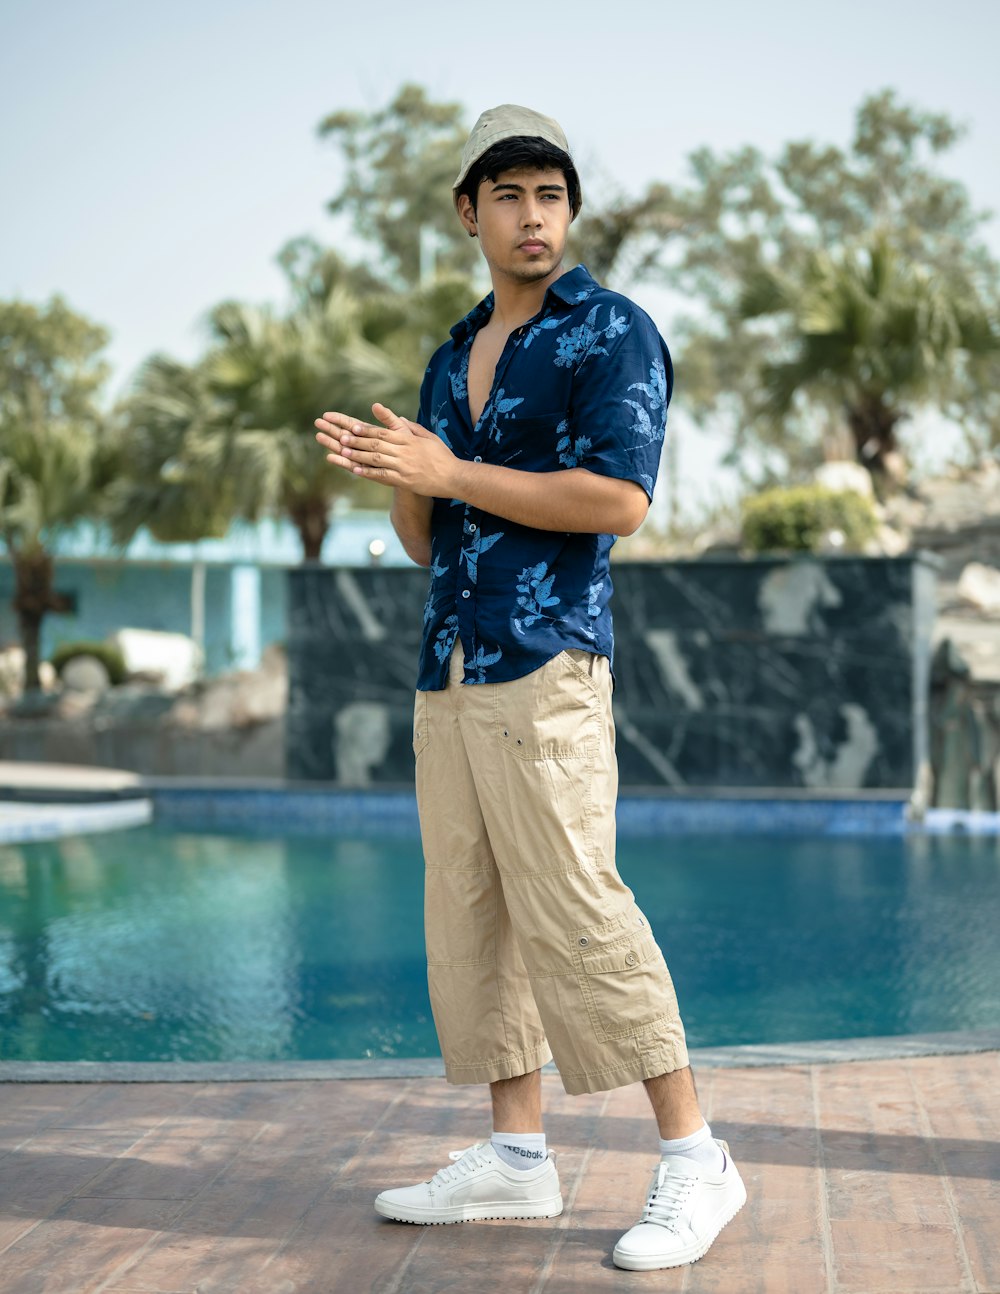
523 152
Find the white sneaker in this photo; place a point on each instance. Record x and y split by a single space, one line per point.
686 1209
477 1185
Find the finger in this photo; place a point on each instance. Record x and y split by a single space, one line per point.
344 421
331 442
367 436
338 460
341 424
386 416
380 457
380 475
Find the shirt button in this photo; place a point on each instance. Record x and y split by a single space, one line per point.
465 593
477 459
472 525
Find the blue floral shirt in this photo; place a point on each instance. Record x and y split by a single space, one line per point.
585 383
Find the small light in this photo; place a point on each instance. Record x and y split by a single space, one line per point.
835 538
376 549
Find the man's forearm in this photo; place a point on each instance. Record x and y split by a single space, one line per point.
574 500
420 467
411 519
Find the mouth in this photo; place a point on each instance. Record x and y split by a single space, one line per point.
532 245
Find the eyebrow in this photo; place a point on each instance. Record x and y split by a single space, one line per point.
539 188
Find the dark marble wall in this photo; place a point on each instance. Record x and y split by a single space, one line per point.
774 672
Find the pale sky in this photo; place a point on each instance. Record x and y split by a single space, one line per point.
154 158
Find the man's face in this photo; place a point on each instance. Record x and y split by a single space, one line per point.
521 219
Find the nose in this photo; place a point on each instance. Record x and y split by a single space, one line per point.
531 214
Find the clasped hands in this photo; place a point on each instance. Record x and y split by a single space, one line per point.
397 453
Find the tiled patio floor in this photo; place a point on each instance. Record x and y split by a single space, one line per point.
872 1177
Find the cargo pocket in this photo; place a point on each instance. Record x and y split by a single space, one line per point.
625 982
582 663
553 713
421 734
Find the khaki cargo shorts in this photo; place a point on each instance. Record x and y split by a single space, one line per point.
535 946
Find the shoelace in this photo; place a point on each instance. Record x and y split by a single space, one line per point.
667 1197
466 1162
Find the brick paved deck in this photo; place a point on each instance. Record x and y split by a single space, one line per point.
875 1177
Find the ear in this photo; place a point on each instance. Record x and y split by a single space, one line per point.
467 214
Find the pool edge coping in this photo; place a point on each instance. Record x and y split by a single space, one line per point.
755 1056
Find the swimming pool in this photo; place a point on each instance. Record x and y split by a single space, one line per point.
167 943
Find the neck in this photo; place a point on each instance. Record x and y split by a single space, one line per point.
514 301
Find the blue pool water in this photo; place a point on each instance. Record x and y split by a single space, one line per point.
157 944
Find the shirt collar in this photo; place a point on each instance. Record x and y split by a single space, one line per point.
571 288
574 286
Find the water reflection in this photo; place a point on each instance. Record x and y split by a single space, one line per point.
146 944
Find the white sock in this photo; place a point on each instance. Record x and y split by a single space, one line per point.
520 1149
699 1146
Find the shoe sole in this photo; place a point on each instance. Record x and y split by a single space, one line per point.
550 1208
640 1263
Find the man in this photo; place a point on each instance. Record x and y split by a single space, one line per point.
537 443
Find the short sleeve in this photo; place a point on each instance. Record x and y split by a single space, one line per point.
621 389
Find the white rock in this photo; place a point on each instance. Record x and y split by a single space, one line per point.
845 475
173 660
980 585
86 674
234 701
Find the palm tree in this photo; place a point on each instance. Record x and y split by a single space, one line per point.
273 375
175 485
621 239
58 453
233 436
872 337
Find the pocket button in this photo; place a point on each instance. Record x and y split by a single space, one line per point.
630 959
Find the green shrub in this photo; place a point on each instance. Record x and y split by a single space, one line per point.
109 656
798 518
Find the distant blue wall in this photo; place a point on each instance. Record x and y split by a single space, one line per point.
114 595
150 587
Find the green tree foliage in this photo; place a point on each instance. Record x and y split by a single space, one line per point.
618 237
406 323
873 336
401 162
233 437
802 518
836 290
178 486
58 454
108 654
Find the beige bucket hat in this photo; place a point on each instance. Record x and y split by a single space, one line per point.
509 121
